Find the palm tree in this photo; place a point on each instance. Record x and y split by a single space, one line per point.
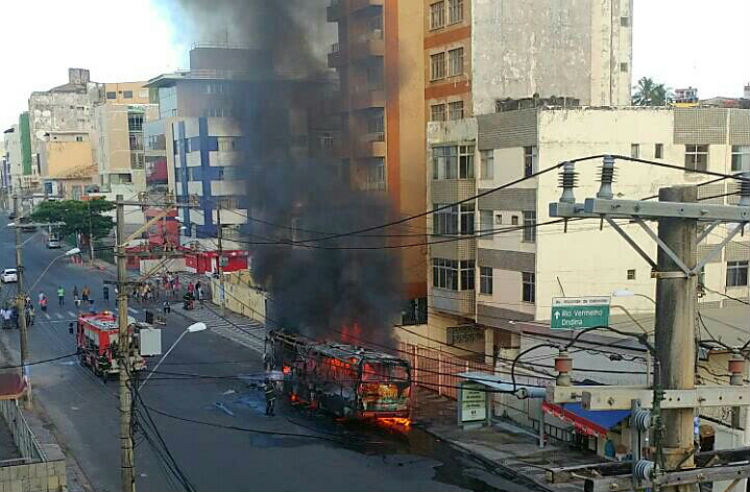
649 93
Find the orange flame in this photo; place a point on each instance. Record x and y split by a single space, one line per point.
398 423
351 334
286 370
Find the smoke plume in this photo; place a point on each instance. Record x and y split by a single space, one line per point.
349 284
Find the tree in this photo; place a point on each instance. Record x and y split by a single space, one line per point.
79 217
649 93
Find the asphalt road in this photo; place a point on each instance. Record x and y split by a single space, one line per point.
319 454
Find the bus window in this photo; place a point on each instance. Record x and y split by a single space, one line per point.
375 371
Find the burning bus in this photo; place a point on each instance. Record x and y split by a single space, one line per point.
346 380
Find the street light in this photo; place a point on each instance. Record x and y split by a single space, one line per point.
630 293
70 252
194 328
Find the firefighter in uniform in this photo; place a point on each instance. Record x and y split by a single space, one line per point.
270 391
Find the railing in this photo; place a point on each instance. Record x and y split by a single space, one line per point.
25 441
335 48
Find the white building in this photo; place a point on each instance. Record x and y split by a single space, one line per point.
511 274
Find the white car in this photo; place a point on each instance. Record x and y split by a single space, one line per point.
9 275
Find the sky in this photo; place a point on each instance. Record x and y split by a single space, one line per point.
699 43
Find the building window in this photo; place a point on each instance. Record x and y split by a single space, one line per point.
445 162
658 151
529 160
465 161
466 225
488 164
740 157
696 157
376 123
376 175
529 226
455 11
485 280
737 273
110 95
499 219
437 15
625 21
514 220
528 290
79 138
136 141
437 66
623 67
437 112
127 94
135 122
445 221
631 274
137 161
227 144
456 110
635 150
445 274
468 272
456 62
485 220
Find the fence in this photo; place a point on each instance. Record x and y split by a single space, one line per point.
438 370
24 439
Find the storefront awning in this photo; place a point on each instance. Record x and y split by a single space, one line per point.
590 423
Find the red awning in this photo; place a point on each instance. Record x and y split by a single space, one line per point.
12 386
583 425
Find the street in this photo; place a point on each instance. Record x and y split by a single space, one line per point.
314 452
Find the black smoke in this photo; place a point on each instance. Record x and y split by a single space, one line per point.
297 192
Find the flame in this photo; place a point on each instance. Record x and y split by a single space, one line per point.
351 334
286 370
398 423
294 398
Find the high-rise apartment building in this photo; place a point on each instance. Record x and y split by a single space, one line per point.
404 63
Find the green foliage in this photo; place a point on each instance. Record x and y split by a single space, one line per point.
649 93
77 216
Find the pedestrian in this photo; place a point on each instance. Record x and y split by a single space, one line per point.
117 297
270 391
77 302
105 294
75 291
14 317
198 285
177 283
190 287
166 308
85 293
43 302
29 315
60 295
5 314
199 291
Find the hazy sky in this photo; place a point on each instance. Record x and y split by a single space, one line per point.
701 43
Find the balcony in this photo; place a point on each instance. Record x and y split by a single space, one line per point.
357 5
366 99
454 302
336 56
371 146
370 44
335 11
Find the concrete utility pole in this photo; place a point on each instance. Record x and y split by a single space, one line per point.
676 305
220 260
127 461
21 300
91 235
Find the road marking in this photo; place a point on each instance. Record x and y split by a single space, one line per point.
59 316
47 315
70 313
132 310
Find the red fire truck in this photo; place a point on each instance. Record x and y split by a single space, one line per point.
96 339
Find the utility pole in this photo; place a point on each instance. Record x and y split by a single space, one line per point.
127 461
220 261
21 300
676 305
91 235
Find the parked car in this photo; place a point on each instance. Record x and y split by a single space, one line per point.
53 243
26 224
9 275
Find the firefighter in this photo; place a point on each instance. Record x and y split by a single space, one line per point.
270 391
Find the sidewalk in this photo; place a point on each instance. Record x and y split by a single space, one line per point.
504 445
239 329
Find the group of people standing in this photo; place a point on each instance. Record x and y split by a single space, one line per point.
10 317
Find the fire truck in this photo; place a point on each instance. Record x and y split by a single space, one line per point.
96 341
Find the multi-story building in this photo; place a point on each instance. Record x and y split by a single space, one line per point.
12 145
402 64
126 93
507 263
67 157
119 150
